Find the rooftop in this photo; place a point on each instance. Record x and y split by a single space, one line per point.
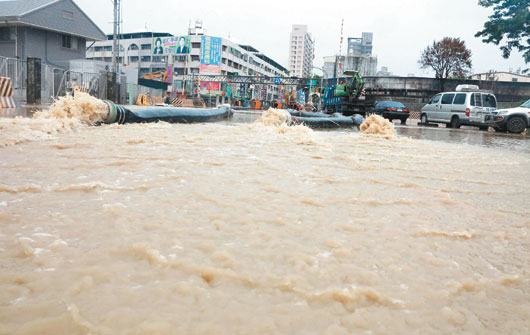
143 34
62 16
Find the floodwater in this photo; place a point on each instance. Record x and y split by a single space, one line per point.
259 228
465 135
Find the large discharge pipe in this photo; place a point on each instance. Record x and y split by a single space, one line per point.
120 114
322 120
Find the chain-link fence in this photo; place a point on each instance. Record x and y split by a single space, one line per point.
91 83
55 82
15 69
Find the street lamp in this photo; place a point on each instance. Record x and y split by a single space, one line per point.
321 80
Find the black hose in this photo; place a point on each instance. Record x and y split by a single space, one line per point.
120 114
335 121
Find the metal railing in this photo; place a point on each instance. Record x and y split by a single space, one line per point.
16 70
55 81
91 83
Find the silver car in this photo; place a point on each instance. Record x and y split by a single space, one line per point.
513 120
466 106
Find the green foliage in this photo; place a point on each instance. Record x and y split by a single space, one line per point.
510 22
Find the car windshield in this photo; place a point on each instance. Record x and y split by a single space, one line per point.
526 104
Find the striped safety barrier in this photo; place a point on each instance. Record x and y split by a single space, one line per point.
7 100
176 102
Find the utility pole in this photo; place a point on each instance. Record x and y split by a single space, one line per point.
338 61
115 46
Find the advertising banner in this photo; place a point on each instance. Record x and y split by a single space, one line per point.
171 45
211 87
169 70
211 49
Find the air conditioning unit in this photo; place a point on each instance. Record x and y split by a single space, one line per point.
467 88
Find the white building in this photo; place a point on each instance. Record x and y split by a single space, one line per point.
301 50
136 50
501 76
336 65
361 46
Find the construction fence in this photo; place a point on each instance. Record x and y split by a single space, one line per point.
55 81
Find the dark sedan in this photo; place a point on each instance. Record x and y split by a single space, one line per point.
392 110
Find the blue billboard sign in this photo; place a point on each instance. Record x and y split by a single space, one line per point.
211 49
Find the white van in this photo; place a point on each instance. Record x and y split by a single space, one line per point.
466 106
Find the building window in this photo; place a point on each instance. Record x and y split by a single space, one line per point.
6 34
146 46
107 59
133 59
133 47
514 80
107 48
68 15
145 58
195 45
195 58
69 42
159 59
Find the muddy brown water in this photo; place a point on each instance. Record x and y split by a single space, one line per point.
259 229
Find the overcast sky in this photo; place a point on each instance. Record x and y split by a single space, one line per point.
402 29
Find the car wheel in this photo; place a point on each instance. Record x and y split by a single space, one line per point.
424 119
516 124
455 122
403 121
483 128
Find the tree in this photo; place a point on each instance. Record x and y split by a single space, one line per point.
448 58
510 21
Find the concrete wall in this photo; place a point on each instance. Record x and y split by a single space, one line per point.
415 91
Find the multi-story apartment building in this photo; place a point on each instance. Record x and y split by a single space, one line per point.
336 65
137 50
358 58
361 46
301 51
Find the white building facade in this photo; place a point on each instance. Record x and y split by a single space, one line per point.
136 50
502 76
301 51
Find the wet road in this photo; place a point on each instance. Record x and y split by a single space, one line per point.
470 136
261 229
464 135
